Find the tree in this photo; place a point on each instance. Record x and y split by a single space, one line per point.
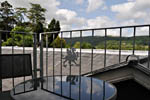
58 43
20 15
7 17
36 14
38 29
53 26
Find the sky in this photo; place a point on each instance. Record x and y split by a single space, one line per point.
79 14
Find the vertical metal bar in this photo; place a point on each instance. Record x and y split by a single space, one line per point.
47 59
70 64
133 52
149 50
24 63
0 63
103 90
79 87
61 61
0 42
41 59
80 51
80 67
120 45
91 96
92 68
13 81
105 47
53 63
92 54
35 60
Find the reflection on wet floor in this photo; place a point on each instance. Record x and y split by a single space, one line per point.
75 87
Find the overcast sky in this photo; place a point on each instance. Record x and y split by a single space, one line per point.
77 14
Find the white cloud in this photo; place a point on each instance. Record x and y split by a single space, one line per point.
69 18
125 7
142 5
94 4
79 1
132 10
101 21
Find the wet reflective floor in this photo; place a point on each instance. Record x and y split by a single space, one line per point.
69 87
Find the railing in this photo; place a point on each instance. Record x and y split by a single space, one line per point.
103 33
53 59
81 61
15 51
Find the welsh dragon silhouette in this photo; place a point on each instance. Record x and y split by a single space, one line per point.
72 56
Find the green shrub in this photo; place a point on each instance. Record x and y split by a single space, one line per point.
84 45
18 37
77 45
57 43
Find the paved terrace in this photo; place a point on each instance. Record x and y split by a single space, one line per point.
98 60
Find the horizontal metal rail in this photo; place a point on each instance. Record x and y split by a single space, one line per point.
147 25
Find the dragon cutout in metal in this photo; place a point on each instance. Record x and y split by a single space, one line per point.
72 56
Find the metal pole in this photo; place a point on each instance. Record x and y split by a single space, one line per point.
70 65
92 54
47 60
80 67
133 52
120 45
13 80
24 63
61 63
91 95
53 63
149 50
105 47
35 61
0 43
41 59
80 51
0 67
104 90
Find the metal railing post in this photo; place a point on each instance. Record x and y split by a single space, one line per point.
41 59
105 47
0 43
133 52
0 67
61 62
53 62
35 61
120 41
149 50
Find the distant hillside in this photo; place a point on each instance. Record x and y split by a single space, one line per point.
139 40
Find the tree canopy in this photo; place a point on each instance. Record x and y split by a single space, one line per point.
36 14
53 26
32 18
